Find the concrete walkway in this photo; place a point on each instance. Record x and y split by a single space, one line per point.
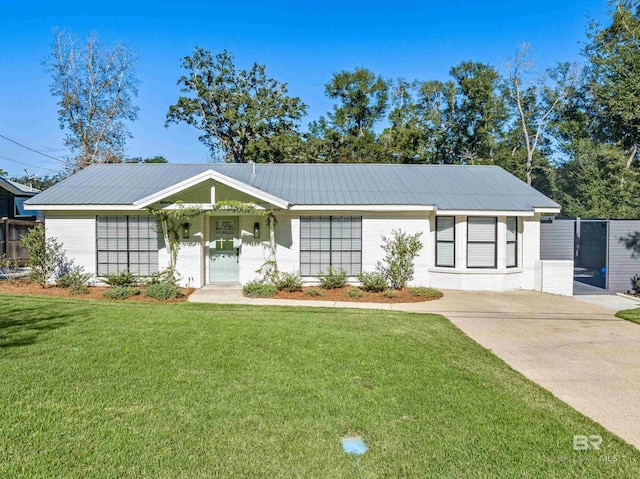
576 349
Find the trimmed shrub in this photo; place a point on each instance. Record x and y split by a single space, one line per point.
373 281
427 293
123 278
165 276
120 292
163 291
313 292
635 284
390 294
257 289
333 279
76 280
355 293
290 282
401 251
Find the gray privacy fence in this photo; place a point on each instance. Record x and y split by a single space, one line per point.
606 253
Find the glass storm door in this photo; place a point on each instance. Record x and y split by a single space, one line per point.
224 251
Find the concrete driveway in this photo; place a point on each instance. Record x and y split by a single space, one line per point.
577 350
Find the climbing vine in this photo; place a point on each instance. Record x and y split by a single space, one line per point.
171 220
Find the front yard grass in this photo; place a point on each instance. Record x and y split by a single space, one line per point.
632 315
102 389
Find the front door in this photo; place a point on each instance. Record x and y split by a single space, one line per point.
224 250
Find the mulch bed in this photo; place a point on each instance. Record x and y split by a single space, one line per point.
340 294
23 286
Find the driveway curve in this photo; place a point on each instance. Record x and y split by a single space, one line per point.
579 351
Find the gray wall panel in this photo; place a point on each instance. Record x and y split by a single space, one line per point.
624 253
556 239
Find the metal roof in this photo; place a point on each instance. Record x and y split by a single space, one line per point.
447 187
17 188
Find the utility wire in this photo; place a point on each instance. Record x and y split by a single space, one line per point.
31 149
26 164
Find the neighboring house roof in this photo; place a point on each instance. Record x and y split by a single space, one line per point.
16 188
446 187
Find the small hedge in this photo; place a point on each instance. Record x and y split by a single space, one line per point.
333 279
257 289
290 282
313 292
162 291
120 292
75 280
355 293
390 294
123 278
373 281
427 293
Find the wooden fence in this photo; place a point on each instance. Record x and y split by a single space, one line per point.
11 232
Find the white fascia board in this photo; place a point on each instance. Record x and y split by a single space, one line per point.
81 207
548 209
483 213
362 208
211 175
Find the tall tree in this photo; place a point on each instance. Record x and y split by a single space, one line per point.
234 109
480 114
614 78
533 102
95 86
363 100
348 134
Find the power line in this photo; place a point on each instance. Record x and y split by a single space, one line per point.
26 164
31 149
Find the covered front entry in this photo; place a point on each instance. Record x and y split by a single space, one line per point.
224 250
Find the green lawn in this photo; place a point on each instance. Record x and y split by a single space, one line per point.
632 315
106 389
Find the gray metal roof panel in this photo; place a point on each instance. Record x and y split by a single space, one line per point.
18 188
446 187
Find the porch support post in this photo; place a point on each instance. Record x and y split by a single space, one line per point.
204 240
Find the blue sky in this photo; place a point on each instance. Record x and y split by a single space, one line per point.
302 43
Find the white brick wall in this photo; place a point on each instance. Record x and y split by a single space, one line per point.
189 265
375 226
554 276
77 234
76 231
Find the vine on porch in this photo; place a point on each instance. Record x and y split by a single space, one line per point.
171 220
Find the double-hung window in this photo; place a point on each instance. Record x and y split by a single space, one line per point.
481 242
127 242
446 241
330 241
512 242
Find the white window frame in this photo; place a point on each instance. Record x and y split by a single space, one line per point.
515 242
438 265
494 242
